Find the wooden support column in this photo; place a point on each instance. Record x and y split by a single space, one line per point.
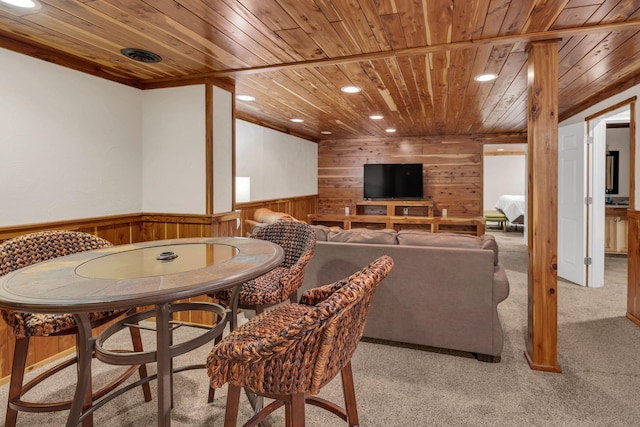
633 273
542 140
633 215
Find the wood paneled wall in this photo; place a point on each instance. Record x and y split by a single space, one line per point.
452 170
140 227
159 227
297 207
119 229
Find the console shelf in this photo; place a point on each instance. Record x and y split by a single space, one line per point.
474 226
399 215
395 208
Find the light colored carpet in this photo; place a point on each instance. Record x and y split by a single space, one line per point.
599 353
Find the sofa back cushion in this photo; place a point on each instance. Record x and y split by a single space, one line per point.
450 240
321 232
489 242
363 235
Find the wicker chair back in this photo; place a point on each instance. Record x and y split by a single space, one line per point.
299 347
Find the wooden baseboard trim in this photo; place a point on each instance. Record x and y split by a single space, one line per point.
546 368
633 318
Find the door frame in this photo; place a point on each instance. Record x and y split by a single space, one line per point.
630 104
597 133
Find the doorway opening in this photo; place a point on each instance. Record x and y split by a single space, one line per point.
583 192
504 178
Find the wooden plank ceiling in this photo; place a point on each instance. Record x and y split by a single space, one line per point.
415 60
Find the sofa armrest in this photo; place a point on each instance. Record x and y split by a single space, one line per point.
500 284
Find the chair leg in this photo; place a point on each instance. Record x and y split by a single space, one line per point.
216 340
17 377
349 395
136 340
295 411
233 401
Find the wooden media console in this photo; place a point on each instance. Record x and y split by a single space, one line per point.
399 215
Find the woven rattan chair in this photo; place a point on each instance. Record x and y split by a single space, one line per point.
291 352
29 249
298 241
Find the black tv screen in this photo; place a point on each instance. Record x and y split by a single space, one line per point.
393 181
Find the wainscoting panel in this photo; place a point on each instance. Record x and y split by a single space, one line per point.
297 207
118 229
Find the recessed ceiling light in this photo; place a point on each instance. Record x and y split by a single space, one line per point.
500 149
390 130
297 120
485 77
376 117
245 98
350 89
28 4
325 132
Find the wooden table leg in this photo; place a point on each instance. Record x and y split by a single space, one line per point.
163 334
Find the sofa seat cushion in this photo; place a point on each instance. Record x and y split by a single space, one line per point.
363 235
449 240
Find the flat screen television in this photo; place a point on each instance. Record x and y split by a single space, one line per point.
393 181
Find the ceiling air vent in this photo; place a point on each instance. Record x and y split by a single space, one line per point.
141 55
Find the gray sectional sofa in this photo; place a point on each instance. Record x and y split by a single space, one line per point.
443 292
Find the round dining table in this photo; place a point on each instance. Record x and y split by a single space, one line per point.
155 273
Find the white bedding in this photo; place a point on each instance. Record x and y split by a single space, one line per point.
512 206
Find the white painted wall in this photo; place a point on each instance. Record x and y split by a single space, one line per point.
69 143
77 146
173 150
503 175
222 150
278 164
601 106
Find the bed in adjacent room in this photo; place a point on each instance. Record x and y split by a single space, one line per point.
513 207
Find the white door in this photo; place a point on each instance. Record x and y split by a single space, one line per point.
595 243
572 212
